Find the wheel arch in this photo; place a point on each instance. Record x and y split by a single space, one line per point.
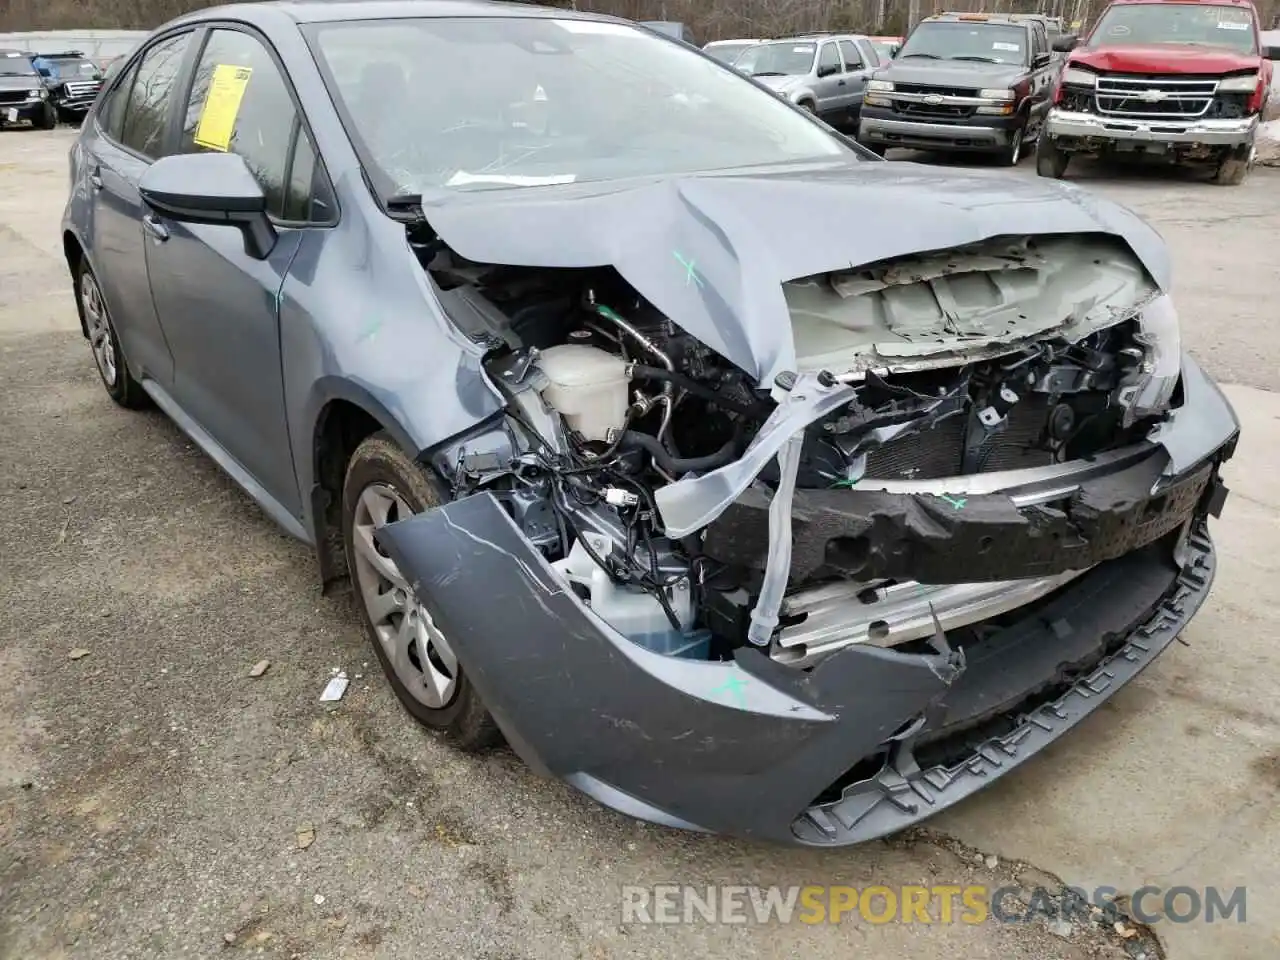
74 253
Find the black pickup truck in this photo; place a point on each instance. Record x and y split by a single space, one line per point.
73 81
971 82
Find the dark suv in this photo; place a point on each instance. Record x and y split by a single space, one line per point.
23 94
963 82
73 81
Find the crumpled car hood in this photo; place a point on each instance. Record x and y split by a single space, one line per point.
712 251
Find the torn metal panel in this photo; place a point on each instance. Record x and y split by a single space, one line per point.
935 308
872 535
713 252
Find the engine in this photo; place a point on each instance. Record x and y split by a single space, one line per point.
608 400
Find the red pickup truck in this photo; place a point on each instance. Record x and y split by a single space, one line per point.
1179 80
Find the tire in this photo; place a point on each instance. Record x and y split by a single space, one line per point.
48 118
1012 154
380 468
809 106
1050 161
104 342
1235 167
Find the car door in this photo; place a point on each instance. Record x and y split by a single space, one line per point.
829 81
219 305
859 60
127 134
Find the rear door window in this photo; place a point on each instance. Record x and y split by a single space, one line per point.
146 111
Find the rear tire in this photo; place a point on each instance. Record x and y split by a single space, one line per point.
1050 160
1235 167
379 468
104 342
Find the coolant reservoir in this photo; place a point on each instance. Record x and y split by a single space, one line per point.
587 386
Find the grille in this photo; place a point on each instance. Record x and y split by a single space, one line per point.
939 451
949 110
76 89
13 96
926 89
1155 97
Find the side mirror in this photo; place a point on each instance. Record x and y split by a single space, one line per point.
1271 53
851 67
828 71
211 188
1041 59
1065 43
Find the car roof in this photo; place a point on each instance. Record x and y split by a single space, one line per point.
321 11
1216 3
1004 18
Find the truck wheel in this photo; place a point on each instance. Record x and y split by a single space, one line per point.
1235 167
48 118
1011 154
808 106
1050 161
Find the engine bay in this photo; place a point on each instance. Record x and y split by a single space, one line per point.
608 401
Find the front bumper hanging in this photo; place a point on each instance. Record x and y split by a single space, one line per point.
866 742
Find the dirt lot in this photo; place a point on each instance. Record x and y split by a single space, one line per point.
151 793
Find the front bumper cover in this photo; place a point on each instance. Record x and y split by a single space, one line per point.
756 749
882 126
1070 125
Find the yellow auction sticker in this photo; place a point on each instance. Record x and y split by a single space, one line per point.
222 106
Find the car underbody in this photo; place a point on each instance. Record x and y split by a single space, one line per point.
852 578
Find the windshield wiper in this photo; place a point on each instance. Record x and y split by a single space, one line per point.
769 73
926 56
978 59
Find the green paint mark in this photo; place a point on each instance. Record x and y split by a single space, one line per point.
733 687
690 270
957 502
370 331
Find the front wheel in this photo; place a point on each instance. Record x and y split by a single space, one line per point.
384 485
1051 161
1011 154
48 118
1235 167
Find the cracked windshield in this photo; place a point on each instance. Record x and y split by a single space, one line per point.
547 102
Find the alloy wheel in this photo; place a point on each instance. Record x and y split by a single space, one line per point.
99 327
417 650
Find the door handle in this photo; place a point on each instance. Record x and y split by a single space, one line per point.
155 227
839 83
95 178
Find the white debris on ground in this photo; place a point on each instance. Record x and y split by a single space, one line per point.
335 688
1267 144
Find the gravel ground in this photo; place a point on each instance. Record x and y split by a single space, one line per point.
152 793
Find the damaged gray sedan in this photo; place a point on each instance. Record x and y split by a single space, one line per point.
745 481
